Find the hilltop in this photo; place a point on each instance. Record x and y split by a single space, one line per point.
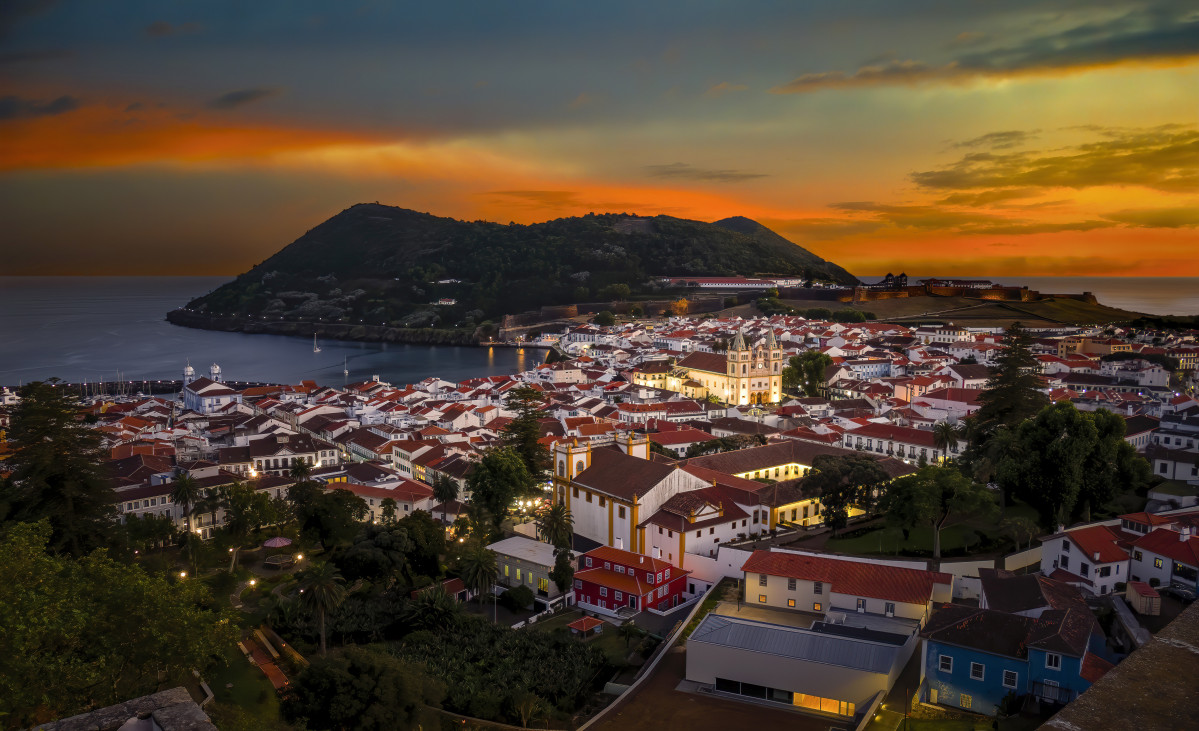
384 265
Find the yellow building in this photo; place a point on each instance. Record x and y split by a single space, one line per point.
741 376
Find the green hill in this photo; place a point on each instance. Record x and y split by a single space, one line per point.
386 265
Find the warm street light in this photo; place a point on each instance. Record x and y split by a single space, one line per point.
299 557
183 574
253 582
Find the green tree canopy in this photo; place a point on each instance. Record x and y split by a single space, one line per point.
91 632
522 433
806 372
498 479
604 319
322 590
478 568
57 472
1011 394
937 497
361 690
844 481
555 525
444 490
1066 462
331 517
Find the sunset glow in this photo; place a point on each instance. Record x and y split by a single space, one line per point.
964 140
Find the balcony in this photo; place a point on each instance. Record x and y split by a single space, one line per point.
1053 693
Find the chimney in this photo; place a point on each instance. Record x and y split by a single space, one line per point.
1184 533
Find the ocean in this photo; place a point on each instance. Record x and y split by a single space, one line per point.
113 328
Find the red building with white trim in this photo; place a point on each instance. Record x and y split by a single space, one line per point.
610 579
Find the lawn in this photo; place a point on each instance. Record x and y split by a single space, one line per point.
609 640
889 541
725 590
250 691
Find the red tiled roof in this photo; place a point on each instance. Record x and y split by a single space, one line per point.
586 624
910 586
1101 540
1094 667
1169 543
1143 589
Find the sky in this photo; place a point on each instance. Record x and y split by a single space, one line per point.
950 138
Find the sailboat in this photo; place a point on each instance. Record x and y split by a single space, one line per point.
315 348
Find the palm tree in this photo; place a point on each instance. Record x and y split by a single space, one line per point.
210 503
628 631
444 490
479 570
432 609
555 526
322 590
186 492
300 471
945 436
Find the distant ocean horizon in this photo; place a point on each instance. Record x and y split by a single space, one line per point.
1151 295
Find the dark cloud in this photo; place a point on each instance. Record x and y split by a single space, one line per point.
14 11
988 197
1000 140
14 107
241 98
934 218
567 200
1157 33
15 57
1157 217
683 170
1163 158
161 29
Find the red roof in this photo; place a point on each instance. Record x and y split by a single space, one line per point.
1094 667
1171 544
628 558
586 624
1143 589
910 586
1099 543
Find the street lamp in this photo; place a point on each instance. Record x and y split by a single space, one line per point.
183 574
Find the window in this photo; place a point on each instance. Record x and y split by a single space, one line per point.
588 562
603 501
518 576
659 576
817 607
699 534
607 564
578 584
889 609
1009 678
667 573
649 577
762 598
588 496
965 701
505 569
861 604
791 602
619 569
761 579
945 664
1053 661
1136 555
1157 563
790 584
977 671
619 596
1065 546
603 591
1105 571
620 514
576 492
1084 569
817 587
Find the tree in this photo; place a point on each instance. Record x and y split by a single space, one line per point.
604 319
94 631
388 508
331 517
937 497
445 490
432 609
1021 529
186 492
563 572
478 569
680 307
246 509
517 598
1012 392
360 689
524 431
636 311
555 525
300 471
379 552
842 481
1066 462
322 590
945 438
148 531
57 472
806 371
629 631
498 479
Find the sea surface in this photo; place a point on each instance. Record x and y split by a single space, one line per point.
1152 295
113 328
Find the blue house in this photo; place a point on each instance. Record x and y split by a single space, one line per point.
974 657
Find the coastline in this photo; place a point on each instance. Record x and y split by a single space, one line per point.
328 331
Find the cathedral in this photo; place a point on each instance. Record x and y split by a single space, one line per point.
741 376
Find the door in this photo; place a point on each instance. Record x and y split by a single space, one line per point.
932 695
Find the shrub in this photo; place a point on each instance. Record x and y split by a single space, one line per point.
1120 587
1155 582
518 597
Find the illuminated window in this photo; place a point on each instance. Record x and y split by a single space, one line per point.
762 598
791 602
817 607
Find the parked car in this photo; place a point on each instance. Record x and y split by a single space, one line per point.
1184 594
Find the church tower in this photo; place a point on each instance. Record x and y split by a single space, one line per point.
738 358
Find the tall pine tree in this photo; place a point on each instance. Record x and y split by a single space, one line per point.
1011 394
57 472
524 430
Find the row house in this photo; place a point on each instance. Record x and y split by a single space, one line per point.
902 442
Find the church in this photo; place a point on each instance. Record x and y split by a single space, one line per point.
741 376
